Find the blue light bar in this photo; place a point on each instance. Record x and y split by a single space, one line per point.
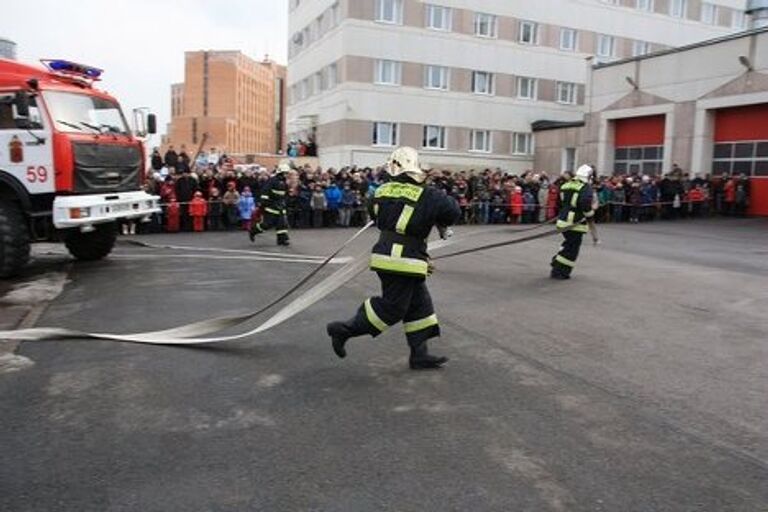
72 68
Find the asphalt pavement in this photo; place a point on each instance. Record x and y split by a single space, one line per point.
639 385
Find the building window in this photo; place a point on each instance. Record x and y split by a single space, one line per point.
485 25
482 82
439 18
522 143
567 39
388 72
640 48
389 11
738 20
644 5
480 140
569 159
384 134
303 92
335 15
526 88
638 160
319 82
733 158
566 93
606 46
331 78
529 32
708 13
434 137
436 77
678 8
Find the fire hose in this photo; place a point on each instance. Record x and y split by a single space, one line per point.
195 333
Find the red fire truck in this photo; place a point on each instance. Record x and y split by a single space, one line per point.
70 167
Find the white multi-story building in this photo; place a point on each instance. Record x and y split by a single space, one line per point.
464 79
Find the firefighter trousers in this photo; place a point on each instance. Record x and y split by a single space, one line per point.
403 299
565 260
272 221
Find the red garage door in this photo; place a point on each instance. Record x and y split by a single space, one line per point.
741 146
639 145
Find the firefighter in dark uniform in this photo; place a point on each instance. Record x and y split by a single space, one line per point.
274 213
405 211
574 220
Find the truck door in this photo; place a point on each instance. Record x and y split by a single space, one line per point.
25 145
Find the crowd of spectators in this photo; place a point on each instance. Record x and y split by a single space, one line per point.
216 195
299 148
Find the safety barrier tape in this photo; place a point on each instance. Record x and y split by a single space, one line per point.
193 334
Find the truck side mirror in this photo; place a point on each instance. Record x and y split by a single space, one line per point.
21 100
151 123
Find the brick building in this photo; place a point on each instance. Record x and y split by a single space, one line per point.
237 101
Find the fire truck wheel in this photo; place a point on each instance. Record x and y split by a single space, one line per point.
93 245
14 239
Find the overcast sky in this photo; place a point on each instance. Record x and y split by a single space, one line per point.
140 44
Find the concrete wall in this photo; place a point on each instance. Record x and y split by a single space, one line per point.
550 145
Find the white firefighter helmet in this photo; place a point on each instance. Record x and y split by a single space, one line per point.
283 169
584 173
405 160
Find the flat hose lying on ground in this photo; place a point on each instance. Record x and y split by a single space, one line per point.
192 334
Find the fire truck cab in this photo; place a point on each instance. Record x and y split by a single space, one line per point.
70 167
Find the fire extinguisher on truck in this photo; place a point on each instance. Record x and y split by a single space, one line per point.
70 168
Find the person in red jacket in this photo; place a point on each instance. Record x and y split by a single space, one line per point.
172 215
729 195
516 205
696 196
198 209
553 195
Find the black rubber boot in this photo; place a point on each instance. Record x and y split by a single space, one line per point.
421 359
428 362
339 333
283 240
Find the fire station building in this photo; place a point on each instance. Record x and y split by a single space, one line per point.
703 107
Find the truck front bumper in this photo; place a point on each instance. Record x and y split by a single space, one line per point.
85 211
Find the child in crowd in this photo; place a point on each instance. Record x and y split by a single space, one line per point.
246 206
198 209
635 201
319 204
172 215
348 201
215 210
529 207
231 199
516 205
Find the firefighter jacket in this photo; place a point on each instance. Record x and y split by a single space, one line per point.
405 212
575 206
273 196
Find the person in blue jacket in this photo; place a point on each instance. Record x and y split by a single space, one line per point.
245 207
333 197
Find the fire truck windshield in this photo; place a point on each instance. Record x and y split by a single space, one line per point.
83 113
